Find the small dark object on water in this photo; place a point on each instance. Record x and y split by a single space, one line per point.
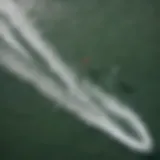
125 87
96 76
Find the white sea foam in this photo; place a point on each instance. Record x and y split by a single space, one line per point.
78 98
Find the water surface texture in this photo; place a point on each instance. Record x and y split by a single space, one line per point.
79 79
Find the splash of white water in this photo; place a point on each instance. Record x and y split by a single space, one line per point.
77 97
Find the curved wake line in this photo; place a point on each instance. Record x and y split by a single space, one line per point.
77 98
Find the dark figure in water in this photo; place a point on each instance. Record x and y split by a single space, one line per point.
97 77
125 87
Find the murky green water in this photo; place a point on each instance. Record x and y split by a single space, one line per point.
111 33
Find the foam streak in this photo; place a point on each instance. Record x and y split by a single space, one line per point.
77 98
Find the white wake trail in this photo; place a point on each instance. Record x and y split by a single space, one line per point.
77 98
18 19
9 38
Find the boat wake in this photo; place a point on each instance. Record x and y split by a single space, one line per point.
76 96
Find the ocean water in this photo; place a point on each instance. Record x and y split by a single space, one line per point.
120 39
